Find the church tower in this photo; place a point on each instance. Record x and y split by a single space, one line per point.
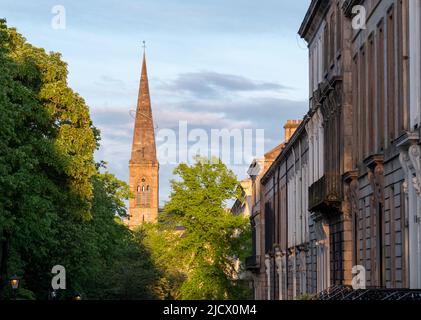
143 165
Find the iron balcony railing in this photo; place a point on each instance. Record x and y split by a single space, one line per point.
370 294
326 192
252 262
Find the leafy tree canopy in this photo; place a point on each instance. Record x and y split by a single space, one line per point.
56 208
213 238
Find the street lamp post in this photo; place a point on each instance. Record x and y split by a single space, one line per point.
14 283
53 295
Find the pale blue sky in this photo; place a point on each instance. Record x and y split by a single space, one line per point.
215 63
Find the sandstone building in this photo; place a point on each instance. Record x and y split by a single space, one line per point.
343 196
259 224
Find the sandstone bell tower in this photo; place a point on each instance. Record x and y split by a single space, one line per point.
143 165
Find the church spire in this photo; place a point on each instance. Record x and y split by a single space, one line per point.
143 166
143 148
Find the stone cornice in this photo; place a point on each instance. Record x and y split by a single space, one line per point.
407 139
350 176
313 18
374 160
375 166
329 85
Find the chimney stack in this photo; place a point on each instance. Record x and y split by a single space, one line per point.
290 128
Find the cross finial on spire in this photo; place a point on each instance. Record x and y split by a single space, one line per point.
144 46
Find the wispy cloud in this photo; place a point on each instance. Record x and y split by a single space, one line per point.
225 64
208 84
111 80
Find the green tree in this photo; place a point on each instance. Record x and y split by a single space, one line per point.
213 237
55 206
29 163
162 241
121 266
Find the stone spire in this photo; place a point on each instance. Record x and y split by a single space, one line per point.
143 147
143 166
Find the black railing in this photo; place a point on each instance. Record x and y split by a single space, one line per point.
325 192
252 262
369 294
316 193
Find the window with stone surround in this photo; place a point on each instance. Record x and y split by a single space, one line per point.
391 74
402 121
371 94
138 196
147 197
355 100
326 49
339 28
143 195
332 39
362 94
380 85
